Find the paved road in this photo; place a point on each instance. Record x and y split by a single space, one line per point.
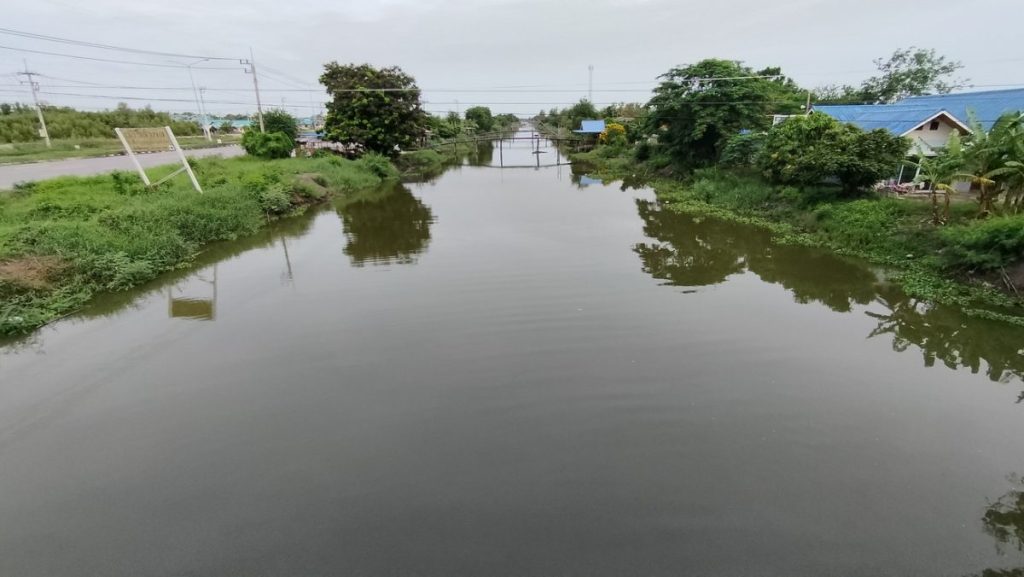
12 173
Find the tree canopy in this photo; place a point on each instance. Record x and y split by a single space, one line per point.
697 108
481 115
806 150
278 120
911 72
378 108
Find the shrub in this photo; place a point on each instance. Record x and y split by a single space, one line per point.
807 150
643 151
274 200
267 145
984 245
378 165
860 224
742 149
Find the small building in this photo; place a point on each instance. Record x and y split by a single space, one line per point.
590 127
237 125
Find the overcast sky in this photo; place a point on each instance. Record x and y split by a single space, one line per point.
542 48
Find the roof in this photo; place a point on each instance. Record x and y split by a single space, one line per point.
898 119
590 127
240 123
987 106
906 115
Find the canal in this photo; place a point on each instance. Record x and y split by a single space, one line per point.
518 372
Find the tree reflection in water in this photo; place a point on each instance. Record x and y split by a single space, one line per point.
691 251
389 226
1004 521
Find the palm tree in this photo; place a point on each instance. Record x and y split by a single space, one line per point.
988 154
940 172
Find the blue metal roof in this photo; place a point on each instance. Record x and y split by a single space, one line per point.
904 116
590 127
898 118
987 105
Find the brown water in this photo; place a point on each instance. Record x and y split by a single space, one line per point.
506 372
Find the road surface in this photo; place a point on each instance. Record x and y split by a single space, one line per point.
14 173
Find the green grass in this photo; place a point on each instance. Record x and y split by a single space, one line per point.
66 239
19 153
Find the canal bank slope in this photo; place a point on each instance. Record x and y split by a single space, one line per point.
66 239
976 265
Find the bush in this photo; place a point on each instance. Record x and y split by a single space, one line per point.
742 150
274 200
378 165
278 120
807 150
986 245
730 190
860 224
267 145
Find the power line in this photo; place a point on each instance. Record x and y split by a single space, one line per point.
112 61
35 36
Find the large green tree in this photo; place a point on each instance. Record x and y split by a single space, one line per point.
806 150
911 72
278 120
482 116
697 108
377 107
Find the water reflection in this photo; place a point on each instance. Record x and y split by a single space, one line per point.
388 226
1004 521
690 251
183 301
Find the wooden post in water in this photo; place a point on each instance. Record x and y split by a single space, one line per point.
501 152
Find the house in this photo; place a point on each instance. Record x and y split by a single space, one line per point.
590 127
985 106
928 128
930 120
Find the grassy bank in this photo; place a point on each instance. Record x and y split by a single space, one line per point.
66 239
22 152
971 263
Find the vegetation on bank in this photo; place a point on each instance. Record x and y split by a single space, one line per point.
968 263
64 240
19 123
707 142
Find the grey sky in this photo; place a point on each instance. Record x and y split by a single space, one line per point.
488 44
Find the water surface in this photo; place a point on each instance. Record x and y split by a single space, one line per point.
512 372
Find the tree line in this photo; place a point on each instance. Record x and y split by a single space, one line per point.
19 123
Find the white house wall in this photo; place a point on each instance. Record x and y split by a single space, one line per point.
926 140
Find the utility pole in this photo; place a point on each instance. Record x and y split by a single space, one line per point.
807 109
35 100
195 94
251 63
202 109
590 84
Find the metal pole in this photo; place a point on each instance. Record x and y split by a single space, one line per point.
195 94
35 100
131 155
256 84
501 152
202 109
184 161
